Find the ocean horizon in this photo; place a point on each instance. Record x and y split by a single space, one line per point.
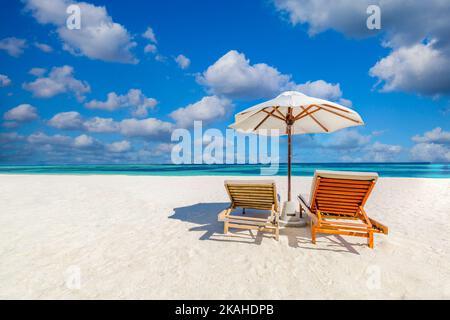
389 169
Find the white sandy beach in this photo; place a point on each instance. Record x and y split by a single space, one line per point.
158 237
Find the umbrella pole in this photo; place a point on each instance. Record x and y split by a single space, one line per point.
289 160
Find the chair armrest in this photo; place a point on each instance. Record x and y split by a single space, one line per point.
303 201
223 214
379 226
307 208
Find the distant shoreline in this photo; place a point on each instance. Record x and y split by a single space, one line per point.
393 170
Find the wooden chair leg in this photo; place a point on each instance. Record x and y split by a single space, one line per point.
225 227
370 240
313 233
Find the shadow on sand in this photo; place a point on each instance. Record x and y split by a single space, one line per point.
205 216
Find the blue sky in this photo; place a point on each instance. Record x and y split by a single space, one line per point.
206 60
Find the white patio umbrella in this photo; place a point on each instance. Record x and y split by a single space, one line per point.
291 113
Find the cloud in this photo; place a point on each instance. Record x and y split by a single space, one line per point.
84 142
324 90
208 109
433 146
81 142
99 36
4 80
8 137
418 68
150 35
416 31
13 46
71 120
347 139
131 127
430 152
43 148
352 146
182 61
119 146
21 113
101 125
233 76
43 47
38 72
60 80
150 48
134 99
380 152
41 138
145 128
437 135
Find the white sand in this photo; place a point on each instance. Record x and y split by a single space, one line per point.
158 237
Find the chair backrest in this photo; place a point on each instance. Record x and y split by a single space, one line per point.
341 192
253 194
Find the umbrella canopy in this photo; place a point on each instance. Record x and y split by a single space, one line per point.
291 113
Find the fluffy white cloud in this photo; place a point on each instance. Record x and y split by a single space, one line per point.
150 48
38 72
21 113
233 76
353 146
380 152
433 146
13 46
60 80
418 68
207 109
150 35
4 80
145 128
134 99
164 148
416 31
43 47
71 120
84 141
80 145
101 125
324 90
119 146
182 61
404 22
99 36
430 152
41 138
348 139
437 135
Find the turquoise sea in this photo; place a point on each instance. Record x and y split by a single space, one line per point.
410 170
